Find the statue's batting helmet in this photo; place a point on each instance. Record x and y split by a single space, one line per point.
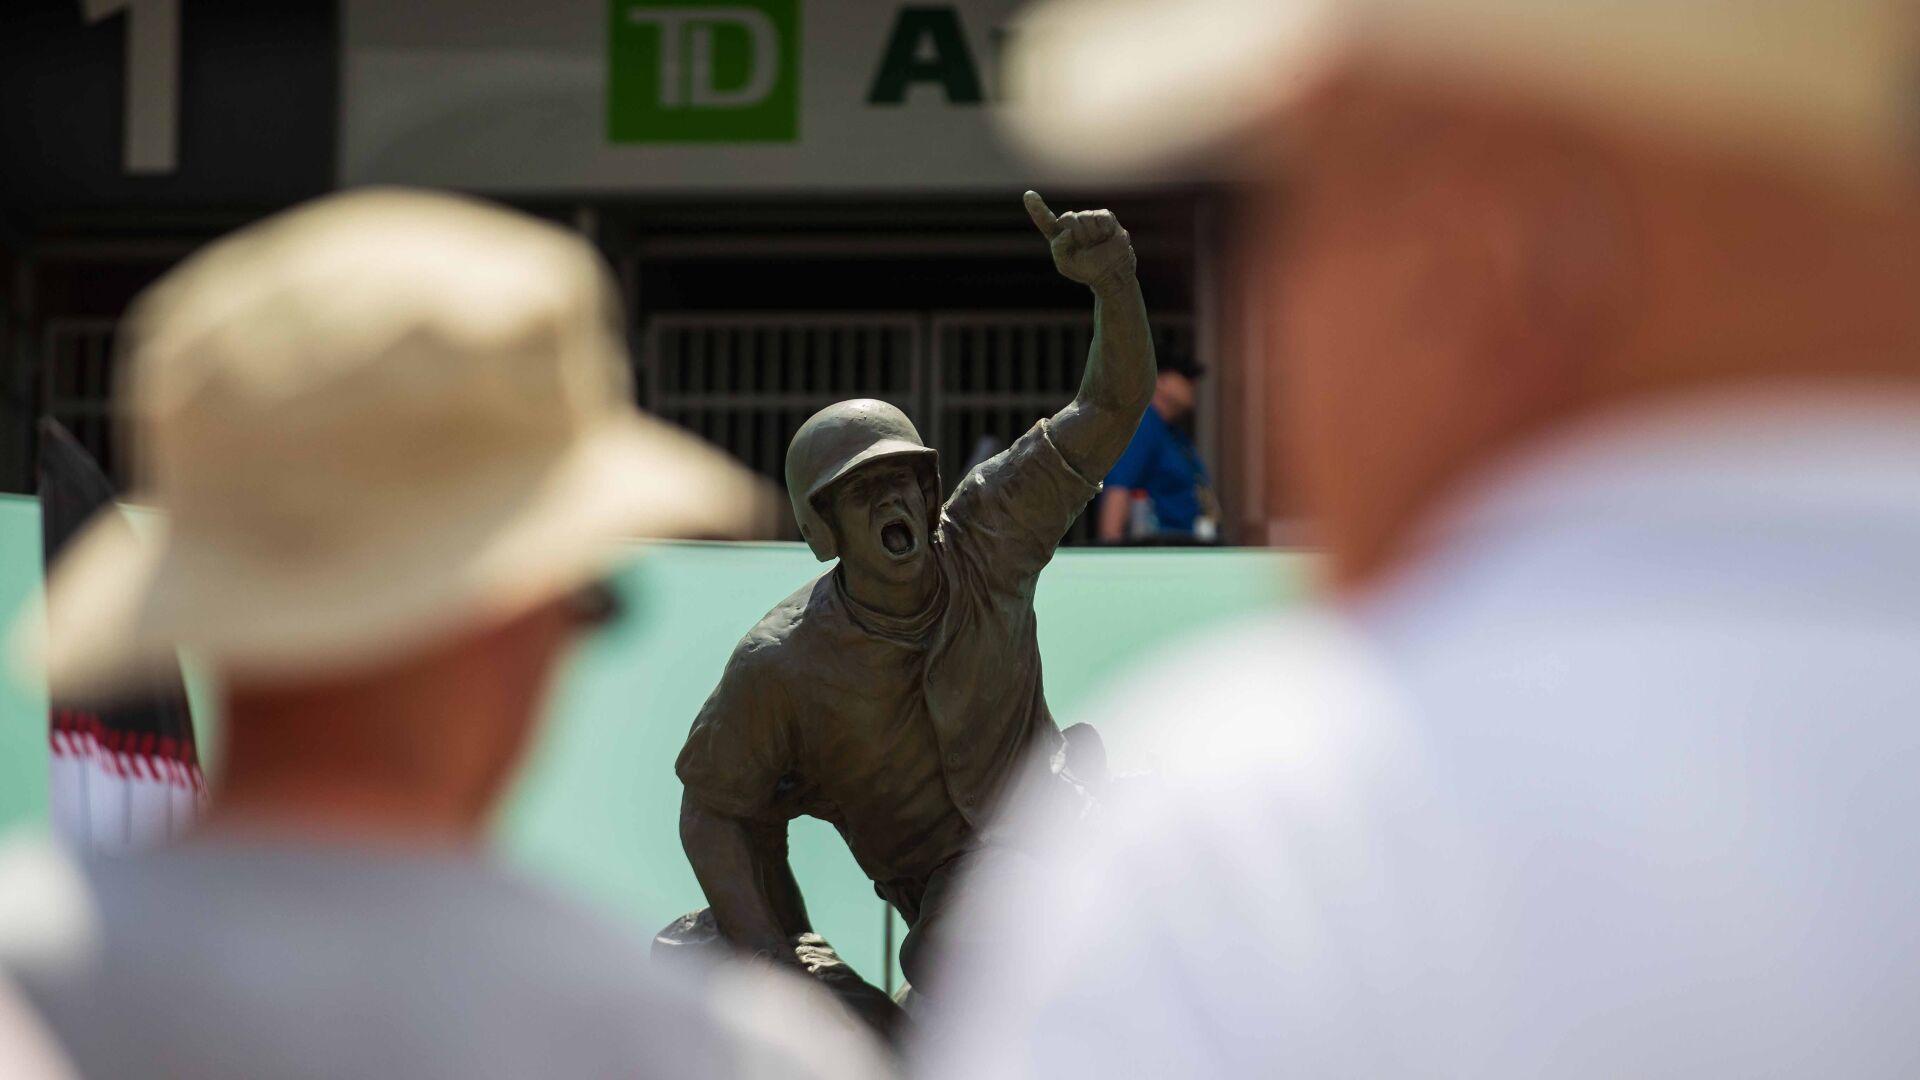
841 438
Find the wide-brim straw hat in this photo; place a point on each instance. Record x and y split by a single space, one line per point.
1140 89
366 423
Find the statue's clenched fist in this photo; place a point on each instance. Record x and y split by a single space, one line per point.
1089 246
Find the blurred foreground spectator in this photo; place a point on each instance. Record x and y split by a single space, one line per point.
1158 492
1601 362
391 437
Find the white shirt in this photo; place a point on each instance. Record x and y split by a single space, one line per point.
218 958
1622 778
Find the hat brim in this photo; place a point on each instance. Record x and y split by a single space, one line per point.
503 540
1163 89
1128 89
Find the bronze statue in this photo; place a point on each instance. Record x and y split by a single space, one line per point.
898 695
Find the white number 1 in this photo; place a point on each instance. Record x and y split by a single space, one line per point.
153 80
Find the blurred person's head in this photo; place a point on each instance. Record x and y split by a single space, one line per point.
1486 221
866 490
1461 274
1174 392
392 445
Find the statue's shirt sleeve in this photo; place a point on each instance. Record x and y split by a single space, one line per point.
1010 513
742 744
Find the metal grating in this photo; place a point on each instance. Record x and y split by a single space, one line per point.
747 382
76 386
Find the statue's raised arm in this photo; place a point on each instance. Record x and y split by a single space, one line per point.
1090 247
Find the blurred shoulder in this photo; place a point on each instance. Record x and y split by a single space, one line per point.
1256 693
781 1024
1245 882
723 1019
731 1020
457 968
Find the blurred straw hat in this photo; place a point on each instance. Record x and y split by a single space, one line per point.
1120 88
369 421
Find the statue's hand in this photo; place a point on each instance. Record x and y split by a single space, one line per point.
1089 246
862 998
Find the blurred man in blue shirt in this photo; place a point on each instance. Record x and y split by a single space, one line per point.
1159 491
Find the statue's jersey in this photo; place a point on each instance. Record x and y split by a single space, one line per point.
904 733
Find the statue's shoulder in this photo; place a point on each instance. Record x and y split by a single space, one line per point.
802 621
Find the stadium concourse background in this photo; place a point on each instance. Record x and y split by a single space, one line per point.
821 208
597 811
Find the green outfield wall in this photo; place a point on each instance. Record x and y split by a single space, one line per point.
597 809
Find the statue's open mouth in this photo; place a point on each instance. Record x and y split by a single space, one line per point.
897 538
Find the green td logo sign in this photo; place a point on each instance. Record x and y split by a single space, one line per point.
703 71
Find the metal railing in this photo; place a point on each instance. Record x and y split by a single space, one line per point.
76 386
747 382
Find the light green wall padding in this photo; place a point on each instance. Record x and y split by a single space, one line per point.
597 809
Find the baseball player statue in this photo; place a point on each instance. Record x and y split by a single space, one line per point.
898 695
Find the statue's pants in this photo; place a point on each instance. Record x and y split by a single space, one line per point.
947 914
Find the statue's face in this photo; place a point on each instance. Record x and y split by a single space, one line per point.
878 514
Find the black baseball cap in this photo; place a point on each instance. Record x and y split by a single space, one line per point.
1182 365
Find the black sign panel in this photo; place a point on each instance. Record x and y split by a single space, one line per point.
166 103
